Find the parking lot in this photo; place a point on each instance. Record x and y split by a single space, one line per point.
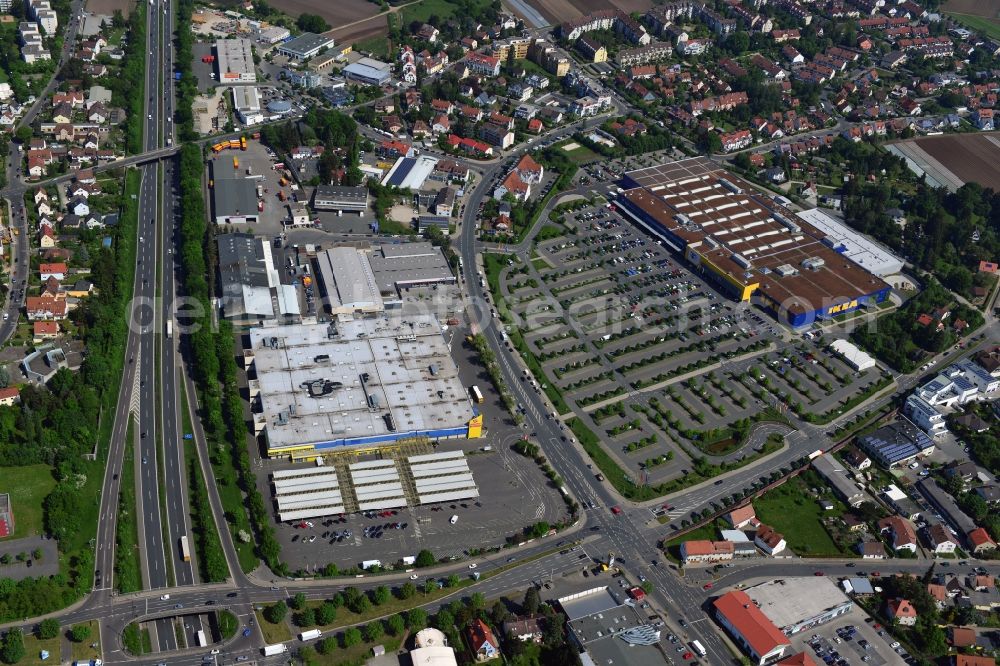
258 160
614 320
853 640
513 494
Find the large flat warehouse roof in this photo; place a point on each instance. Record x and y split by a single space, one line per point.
748 240
855 246
235 61
789 601
346 383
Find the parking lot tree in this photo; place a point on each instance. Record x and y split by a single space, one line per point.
351 637
395 624
305 618
276 612
327 646
361 605
298 602
307 655
531 601
48 628
381 595
425 558
374 631
326 613
430 585
416 619
444 620
407 590
330 570
453 580
80 633
477 601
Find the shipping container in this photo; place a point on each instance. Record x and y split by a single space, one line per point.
477 395
236 163
271 650
243 143
185 552
310 635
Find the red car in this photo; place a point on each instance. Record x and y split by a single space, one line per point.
819 573
688 655
876 574
706 586
616 510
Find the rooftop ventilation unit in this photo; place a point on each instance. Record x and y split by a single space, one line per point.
787 223
731 186
321 387
813 263
741 261
321 358
784 270
682 219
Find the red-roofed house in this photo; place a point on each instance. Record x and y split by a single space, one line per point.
529 170
769 540
9 396
980 541
961 637
741 517
470 145
534 125
483 64
902 611
45 330
58 271
973 660
984 266
45 307
903 536
698 551
751 629
393 149
482 641
513 185
800 659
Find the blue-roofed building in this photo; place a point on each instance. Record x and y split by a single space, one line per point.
896 444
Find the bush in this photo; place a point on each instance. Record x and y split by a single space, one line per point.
374 631
80 633
351 637
425 558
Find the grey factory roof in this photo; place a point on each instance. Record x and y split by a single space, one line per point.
244 266
789 601
836 475
305 43
346 280
947 505
316 381
339 196
409 264
234 196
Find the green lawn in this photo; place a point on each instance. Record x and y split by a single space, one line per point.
83 651
33 647
582 155
793 512
422 11
989 27
34 482
378 46
273 633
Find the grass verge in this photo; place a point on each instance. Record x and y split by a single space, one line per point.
273 633
792 511
128 576
83 651
33 646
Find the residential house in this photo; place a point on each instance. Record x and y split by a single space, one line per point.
45 307
482 642
704 551
524 629
901 611
741 517
980 541
940 539
44 330
902 533
769 540
56 270
871 550
939 593
10 396
857 459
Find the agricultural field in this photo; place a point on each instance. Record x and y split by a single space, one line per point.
971 157
982 15
557 11
336 13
